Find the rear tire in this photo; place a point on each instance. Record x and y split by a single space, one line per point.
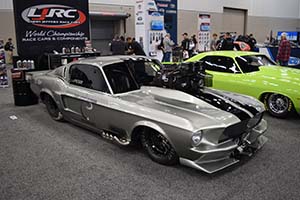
158 147
53 109
278 105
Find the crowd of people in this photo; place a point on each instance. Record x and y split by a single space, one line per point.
189 46
229 42
119 46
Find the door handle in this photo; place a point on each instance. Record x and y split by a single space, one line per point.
89 106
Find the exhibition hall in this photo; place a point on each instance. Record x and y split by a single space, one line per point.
150 99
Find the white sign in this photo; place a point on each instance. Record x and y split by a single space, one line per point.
204 32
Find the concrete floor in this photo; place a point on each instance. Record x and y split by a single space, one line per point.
44 159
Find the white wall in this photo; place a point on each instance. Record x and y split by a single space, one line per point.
276 8
263 8
6 4
114 2
213 5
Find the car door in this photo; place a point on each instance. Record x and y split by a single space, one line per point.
96 105
104 110
226 73
76 92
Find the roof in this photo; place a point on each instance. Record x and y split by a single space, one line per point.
230 53
106 60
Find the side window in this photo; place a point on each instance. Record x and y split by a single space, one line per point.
87 76
220 64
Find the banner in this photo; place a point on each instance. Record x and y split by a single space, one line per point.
169 10
44 26
204 32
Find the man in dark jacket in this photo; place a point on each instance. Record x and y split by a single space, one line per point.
117 46
185 45
226 43
252 42
134 47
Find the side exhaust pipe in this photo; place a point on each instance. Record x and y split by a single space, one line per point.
111 137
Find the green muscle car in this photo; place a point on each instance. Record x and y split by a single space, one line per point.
256 75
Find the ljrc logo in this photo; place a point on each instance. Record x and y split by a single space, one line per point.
53 16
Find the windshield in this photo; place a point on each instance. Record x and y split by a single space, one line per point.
144 71
131 74
120 78
253 62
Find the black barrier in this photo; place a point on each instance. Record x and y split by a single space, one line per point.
23 95
44 26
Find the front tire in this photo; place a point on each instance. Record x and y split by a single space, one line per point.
278 105
53 109
158 147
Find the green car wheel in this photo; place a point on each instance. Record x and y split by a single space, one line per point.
278 105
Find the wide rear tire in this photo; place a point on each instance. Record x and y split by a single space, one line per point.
53 109
158 147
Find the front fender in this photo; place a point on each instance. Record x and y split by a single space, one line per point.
153 126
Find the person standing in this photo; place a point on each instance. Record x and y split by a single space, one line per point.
252 42
185 46
134 47
193 45
284 51
9 48
226 43
213 43
167 48
117 46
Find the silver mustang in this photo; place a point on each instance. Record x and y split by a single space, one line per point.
103 95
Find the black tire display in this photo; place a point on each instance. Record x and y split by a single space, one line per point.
52 108
158 147
278 105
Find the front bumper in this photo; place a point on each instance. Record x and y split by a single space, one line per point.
226 154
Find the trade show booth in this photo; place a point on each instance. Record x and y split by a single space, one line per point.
48 34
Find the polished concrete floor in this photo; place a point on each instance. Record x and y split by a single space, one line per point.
44 159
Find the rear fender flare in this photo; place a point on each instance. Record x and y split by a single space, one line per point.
50 93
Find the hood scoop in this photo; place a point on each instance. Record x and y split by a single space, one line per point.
176 97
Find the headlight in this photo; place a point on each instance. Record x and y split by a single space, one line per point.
254 121
197 138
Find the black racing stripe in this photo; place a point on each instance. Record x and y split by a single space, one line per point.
220 103
250 108
245 106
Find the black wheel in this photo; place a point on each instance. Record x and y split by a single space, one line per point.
158 148
278 105
52 108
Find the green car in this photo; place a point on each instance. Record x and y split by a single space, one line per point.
256 75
